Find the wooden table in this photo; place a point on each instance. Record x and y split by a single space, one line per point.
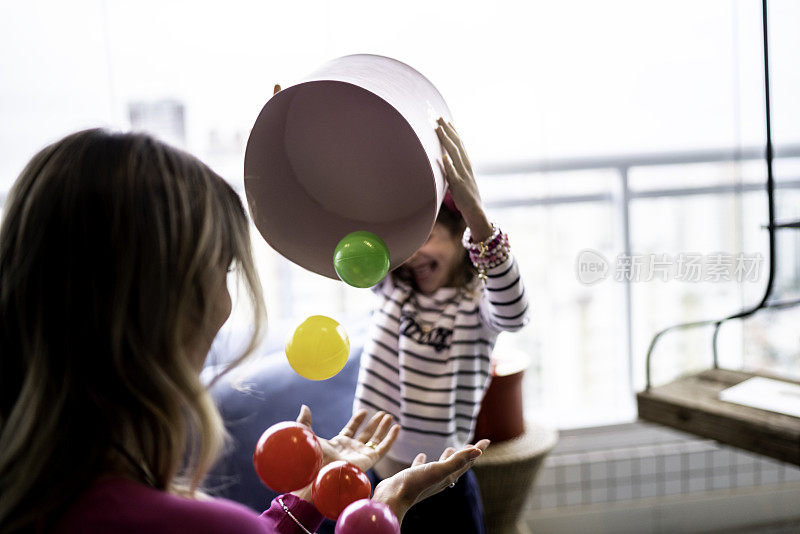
692 404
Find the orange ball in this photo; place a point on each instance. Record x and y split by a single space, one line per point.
338 485
287 456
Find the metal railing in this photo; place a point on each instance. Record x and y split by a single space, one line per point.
622 195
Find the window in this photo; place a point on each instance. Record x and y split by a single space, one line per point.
621 127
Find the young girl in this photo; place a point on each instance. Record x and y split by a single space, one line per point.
427 360
114 254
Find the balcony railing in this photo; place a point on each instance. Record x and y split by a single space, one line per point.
622 195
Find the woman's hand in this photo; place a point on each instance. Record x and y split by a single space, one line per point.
362 450
461 180
422 480
371 444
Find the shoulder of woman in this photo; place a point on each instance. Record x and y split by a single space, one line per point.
117 505
220 516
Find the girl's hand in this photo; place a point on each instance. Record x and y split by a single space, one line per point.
422 480
461 180
363 450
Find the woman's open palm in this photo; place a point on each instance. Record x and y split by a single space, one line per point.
361 449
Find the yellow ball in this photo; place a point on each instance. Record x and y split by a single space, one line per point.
318 348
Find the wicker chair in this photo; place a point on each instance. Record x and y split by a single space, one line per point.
506 474
507 471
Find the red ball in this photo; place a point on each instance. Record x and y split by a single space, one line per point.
367 516
337 485
287 456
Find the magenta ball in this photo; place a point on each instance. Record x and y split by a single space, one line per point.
364 516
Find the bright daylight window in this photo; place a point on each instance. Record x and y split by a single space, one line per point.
631 130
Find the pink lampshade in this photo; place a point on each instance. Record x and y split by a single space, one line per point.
350 147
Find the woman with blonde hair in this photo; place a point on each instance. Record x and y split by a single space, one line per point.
114 258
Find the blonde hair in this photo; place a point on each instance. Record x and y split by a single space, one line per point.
110 246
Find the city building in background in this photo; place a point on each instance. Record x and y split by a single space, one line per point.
163 118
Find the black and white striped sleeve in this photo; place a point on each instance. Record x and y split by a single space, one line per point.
504 304
384 287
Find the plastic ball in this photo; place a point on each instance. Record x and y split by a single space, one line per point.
318 348
337 485
367 516
361 259
287 457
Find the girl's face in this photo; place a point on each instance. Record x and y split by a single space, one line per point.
436 263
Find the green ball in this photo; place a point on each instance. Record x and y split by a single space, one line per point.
361 259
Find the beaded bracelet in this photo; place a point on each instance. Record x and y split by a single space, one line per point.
290 514
488 253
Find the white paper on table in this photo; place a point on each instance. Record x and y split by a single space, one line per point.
765 394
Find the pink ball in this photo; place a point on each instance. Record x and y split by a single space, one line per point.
366 515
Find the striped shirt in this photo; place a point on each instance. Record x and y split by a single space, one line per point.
427 357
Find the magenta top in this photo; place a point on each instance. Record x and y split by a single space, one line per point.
126 507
